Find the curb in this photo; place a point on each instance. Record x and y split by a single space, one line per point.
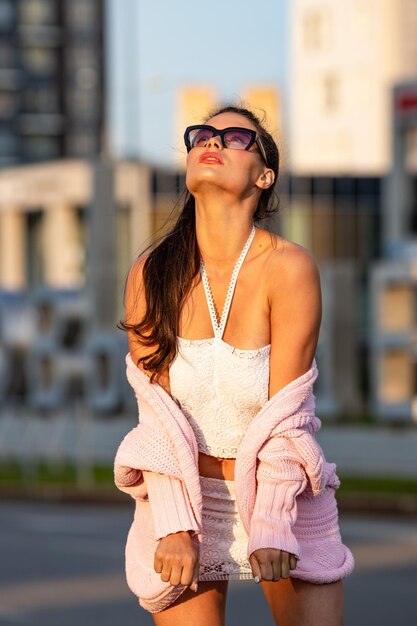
369 503
70 495
355 502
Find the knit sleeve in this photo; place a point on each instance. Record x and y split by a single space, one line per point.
275 510
170 505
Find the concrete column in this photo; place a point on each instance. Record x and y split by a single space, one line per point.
62 247
101 248
12 249
142 218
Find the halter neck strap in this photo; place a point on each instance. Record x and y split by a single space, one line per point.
218 327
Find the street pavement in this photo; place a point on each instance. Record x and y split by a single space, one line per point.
64 564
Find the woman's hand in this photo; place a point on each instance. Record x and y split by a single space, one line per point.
271 564
176 559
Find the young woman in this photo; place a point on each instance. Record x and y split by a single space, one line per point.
223 314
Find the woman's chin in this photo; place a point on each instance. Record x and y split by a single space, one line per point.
204 182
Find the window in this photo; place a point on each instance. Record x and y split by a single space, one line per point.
41 147
81 14
411 150
7 55
40 100
316 34
40 61
8 143
8 104
83 103
7 14
36 12
331 93
82 144
81 56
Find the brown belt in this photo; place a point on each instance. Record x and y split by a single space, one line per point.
216 467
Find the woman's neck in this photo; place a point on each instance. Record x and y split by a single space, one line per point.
221 239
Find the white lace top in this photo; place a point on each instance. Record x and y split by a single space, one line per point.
220 388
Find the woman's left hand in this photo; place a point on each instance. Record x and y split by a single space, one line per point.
271 564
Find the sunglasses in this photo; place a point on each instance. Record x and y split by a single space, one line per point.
233 137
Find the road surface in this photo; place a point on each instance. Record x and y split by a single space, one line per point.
63 564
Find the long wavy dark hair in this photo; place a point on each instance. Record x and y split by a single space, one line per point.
170 268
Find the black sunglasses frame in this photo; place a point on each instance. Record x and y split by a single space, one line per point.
221 132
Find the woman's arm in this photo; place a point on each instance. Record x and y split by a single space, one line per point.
170 505
295 309
295 313
275 512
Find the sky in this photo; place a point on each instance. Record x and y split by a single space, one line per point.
154 46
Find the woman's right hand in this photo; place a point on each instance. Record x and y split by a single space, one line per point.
176 559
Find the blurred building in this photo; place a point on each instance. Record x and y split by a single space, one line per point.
44 238
345 58
193 104
265 100
51 79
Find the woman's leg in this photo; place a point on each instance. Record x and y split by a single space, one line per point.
206 607
295 602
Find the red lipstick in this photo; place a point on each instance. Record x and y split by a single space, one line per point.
210 157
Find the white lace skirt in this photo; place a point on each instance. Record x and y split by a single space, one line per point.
224 539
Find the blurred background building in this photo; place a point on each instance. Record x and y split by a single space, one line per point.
79 199
51 80
94 99
345 59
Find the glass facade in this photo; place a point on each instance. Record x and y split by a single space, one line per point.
37 12
51 79
7 14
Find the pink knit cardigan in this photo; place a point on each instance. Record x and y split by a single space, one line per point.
285 489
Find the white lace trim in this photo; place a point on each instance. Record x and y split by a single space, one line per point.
220 389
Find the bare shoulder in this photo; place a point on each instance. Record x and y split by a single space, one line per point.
135 305
136 269
291 269
135 292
